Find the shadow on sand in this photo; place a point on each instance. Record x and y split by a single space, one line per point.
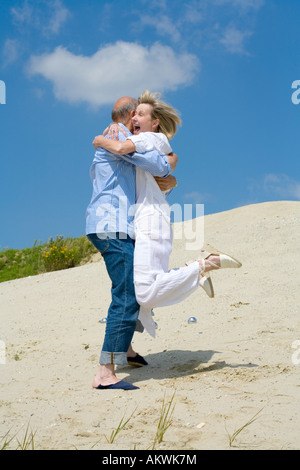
178 363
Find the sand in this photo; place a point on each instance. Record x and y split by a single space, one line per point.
240 358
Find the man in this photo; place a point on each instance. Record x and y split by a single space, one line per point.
109 226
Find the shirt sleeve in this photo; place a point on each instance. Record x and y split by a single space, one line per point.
151 161
146 141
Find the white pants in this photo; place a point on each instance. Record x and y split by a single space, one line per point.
155 284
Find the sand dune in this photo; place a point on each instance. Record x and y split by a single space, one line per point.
241 356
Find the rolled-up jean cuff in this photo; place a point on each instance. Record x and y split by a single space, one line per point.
118 358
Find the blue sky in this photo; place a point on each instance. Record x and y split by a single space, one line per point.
227 65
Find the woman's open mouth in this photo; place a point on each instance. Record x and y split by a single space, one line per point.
136 129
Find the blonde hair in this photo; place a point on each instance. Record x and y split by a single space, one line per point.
168 116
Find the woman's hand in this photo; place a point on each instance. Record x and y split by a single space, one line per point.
112 131
98 141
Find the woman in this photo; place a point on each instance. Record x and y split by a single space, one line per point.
155 123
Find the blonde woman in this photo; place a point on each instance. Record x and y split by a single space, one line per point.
154 124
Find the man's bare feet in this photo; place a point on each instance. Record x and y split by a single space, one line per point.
131 352
105 375
106 372
106 379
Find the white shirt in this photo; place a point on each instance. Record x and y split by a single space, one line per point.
147 190
147 141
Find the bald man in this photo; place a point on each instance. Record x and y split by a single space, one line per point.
109 226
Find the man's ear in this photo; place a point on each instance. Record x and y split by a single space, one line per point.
132 113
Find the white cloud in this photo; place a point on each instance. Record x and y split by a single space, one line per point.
234 40
59 16
201 23
46 15
115 70
22 14
196 197
242 4
163 24
282 185
10 52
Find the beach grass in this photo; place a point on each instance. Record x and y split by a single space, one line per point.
232 437
165 420
56 254
119 428
26 443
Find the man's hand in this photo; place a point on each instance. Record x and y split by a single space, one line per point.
173 160
166 184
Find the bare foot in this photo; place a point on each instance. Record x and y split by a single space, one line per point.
131 352
105 376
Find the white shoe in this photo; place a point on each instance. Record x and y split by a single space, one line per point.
226 261
204 279
206 284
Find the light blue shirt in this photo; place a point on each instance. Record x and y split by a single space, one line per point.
111 208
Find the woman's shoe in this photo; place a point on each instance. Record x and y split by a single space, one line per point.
206 284
204 279
226 261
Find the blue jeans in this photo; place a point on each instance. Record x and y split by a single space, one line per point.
123 312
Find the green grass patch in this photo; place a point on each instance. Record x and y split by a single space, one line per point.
54 255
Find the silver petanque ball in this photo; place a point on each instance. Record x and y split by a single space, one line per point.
103 320
192 320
